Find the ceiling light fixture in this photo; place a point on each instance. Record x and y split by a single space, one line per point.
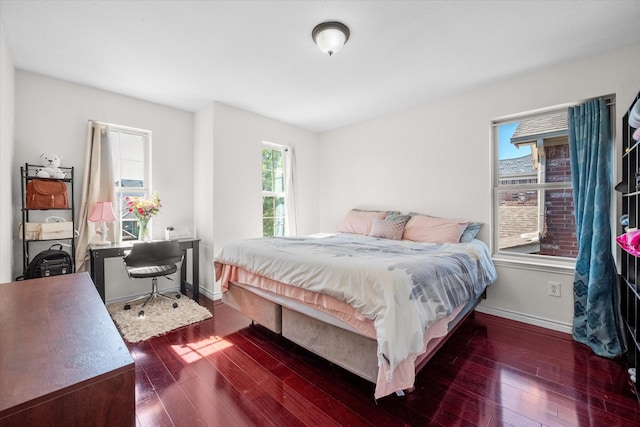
330 36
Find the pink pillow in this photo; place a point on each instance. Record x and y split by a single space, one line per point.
359 222
428 229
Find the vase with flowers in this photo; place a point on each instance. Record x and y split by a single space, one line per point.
144 210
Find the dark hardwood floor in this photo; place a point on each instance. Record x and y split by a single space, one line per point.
224 372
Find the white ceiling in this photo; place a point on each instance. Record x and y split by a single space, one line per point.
259 55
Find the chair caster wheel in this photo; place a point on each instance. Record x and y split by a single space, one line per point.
127 307
178 296
141 313
175 305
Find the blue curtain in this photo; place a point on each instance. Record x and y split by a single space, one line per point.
596 295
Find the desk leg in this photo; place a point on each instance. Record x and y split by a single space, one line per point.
183 273
97 273
196 271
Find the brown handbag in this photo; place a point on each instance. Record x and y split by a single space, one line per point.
47 194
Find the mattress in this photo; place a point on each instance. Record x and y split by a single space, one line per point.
400 288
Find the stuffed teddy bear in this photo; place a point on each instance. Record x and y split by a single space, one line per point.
51 163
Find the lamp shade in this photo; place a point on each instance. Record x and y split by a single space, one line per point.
102 212
330 36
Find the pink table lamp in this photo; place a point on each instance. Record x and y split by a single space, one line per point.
102 213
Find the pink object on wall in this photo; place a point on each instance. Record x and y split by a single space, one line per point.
630 242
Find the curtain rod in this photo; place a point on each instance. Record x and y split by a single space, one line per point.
609 101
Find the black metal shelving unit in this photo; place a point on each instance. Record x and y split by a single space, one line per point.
630 264
31 247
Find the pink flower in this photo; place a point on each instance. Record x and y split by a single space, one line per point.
144 209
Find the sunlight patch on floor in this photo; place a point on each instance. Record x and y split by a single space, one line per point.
195 351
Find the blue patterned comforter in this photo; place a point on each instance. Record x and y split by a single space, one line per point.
403 286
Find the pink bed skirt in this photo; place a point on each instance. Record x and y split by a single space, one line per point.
402 378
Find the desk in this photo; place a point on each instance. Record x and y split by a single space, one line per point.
99 252
63 361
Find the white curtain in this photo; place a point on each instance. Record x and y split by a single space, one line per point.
97 186
290 193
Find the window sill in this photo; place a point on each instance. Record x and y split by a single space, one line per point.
557 266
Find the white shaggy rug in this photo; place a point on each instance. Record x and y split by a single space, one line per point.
159 317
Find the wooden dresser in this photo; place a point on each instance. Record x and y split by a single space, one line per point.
62 360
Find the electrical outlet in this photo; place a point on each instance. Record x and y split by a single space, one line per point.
553 289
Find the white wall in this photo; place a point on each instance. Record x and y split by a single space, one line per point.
52 115
7 169
237 177
437 159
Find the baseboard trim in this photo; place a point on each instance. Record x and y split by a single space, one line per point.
554 325
213 296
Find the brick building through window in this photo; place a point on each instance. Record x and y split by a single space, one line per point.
534 195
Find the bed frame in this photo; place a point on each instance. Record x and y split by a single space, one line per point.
320 333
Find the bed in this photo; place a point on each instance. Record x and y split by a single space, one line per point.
377 307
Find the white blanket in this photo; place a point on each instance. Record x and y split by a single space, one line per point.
403 286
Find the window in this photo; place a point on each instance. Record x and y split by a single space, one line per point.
533 196
273 190
131 156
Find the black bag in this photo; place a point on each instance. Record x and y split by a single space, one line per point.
51 262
